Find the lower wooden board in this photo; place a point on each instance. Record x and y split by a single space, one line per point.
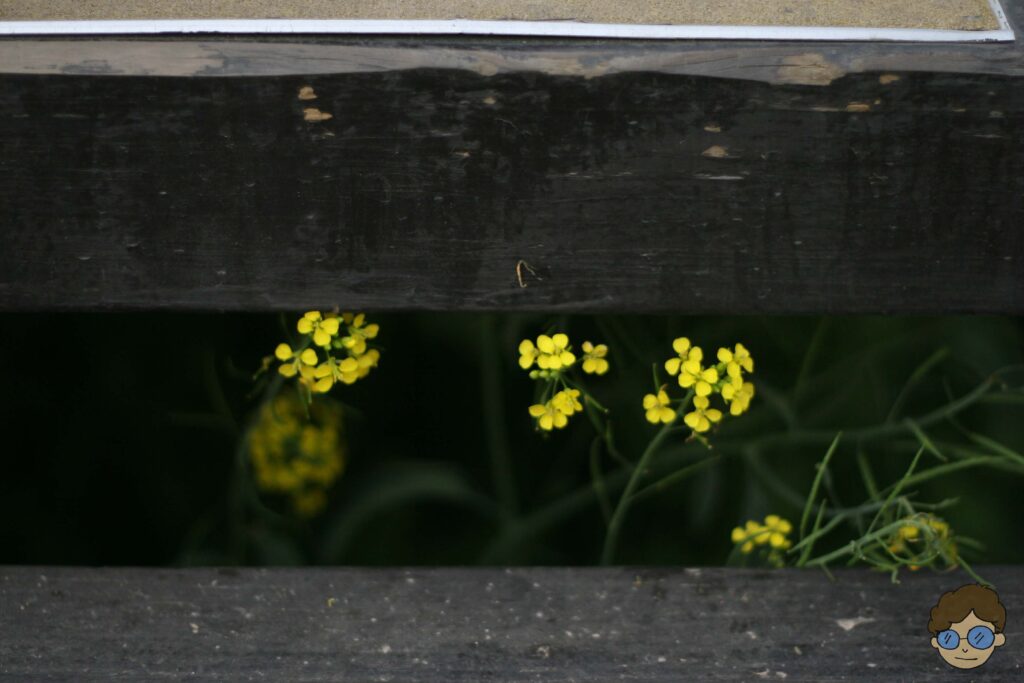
475 625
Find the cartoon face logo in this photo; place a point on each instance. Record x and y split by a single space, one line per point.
967 626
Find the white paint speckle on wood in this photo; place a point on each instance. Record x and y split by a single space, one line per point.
850 624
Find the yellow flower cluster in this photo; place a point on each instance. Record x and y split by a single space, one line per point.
331 333
725 378
772 536
922 539
550 359
550 353
294 456
555 413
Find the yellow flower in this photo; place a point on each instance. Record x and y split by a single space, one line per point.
594 362
293 361
333 370
322 329
548 416
693 375
738 397
921 540
366 362
567 401
296 456
358 333
554 352
684 353
701 418
736 360
747 536
527 354
657 408
773 533
778 530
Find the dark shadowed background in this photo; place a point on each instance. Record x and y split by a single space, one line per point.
116 452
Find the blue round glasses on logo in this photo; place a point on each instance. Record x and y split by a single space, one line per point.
980 637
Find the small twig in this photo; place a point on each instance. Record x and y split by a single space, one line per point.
520 265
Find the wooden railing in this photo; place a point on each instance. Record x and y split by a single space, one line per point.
403 173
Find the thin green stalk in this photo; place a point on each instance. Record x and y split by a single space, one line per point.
774 399
752 458
810 540
604 431
925 441
611 538
996 447
840 516
853 546
882 430
597 478
813 495
869 479
810 355
941 470
502 473
535 523
671 480
915 378
896 488
973 574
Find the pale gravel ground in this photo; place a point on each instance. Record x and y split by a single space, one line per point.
937 14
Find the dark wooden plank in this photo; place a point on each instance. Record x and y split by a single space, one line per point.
59 624
631 176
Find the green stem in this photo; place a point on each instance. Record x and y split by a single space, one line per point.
671 480
494 418
611 538
877 431
822 466
852 547
597 478
896 489
915 379
810 355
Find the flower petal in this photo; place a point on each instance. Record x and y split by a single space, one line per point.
681 345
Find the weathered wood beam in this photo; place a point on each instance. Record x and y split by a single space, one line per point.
685 177
476 625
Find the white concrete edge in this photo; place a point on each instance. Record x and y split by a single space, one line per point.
565 29
997 10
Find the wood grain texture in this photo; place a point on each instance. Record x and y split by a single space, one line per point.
686 177
476 625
